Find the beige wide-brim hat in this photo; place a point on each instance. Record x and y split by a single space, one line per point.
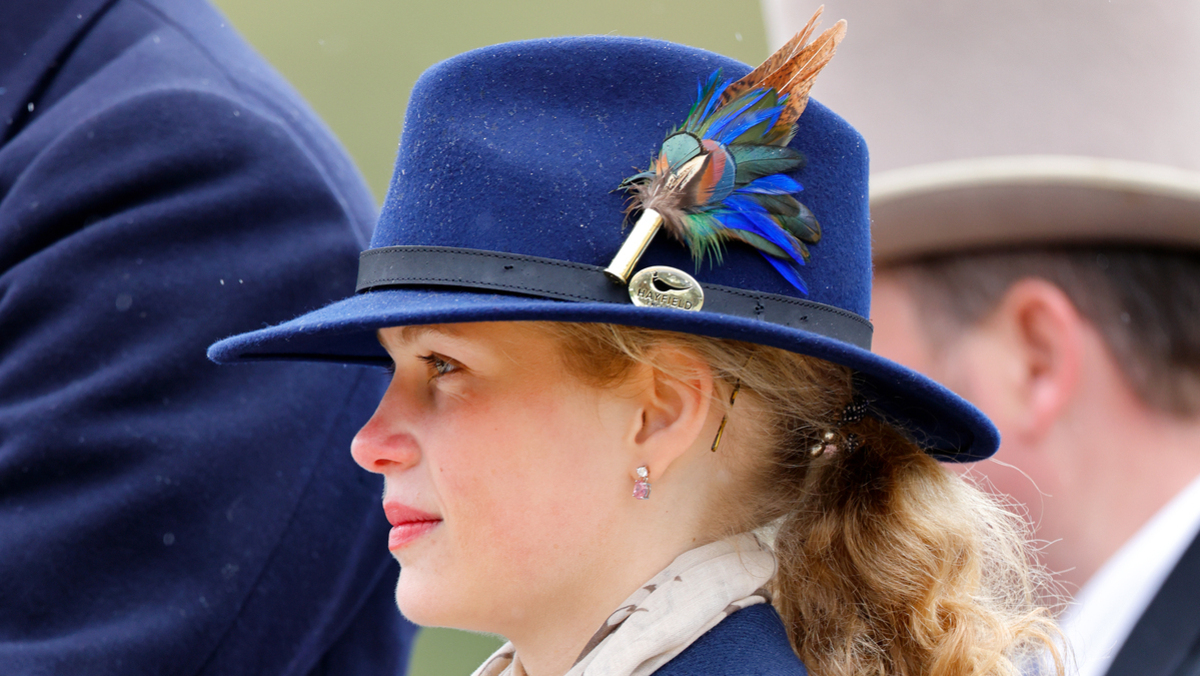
1019 122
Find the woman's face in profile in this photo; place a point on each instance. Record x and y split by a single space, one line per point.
502 477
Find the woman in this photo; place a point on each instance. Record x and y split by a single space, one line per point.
630 477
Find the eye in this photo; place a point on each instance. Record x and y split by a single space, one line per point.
439 366
389 368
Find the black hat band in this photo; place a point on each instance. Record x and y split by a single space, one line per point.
452 267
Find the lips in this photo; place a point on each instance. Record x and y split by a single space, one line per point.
408 524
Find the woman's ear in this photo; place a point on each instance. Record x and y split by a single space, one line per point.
674 399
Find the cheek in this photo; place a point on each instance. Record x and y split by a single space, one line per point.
527 467
981 374
991 377
899 334
958 371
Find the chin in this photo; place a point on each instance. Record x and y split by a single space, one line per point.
412 602
438 602
422 603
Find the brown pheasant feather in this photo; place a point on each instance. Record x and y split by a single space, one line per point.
793 68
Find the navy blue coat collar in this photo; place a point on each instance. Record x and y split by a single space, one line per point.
34 41
750 642
1166 640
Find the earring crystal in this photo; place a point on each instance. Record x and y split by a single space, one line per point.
641 487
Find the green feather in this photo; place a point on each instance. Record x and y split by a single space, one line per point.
755 134
679 148
803 225
760 243
803 251
704 233
729 110
755 161
637 178
777 205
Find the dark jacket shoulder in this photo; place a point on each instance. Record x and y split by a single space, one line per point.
750 642
1166 639
161 188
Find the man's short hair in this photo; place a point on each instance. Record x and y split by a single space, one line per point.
1144 301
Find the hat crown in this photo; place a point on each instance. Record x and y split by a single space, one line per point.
520 148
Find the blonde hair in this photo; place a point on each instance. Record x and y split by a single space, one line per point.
888 563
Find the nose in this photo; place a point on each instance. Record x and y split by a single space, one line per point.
385 444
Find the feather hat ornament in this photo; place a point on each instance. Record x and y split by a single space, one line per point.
720 176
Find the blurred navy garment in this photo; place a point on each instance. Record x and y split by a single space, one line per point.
161 188
749 642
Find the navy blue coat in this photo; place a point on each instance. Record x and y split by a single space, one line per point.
161 188
750 642
1166 639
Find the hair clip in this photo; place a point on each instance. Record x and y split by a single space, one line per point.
854 413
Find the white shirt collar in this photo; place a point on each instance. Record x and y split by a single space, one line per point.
1104 612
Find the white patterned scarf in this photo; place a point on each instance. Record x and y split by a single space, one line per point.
657 622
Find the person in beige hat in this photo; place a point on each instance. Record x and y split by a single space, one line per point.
1036 223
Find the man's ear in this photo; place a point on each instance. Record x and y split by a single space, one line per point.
674 401
1045 332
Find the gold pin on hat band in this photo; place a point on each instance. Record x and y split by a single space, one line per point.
662 286
656 286
634 246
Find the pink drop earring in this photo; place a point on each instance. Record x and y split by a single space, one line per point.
641 487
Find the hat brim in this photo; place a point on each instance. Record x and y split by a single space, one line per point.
345 331
993 202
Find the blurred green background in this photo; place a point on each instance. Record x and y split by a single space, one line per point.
355 61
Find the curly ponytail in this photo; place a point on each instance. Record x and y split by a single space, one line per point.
889 565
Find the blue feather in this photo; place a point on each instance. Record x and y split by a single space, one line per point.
775 184
790 268
750 122
714 94
761 224
788 272
715 126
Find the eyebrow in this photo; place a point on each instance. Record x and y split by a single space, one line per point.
409 334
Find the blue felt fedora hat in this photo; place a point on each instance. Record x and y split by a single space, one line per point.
503 206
